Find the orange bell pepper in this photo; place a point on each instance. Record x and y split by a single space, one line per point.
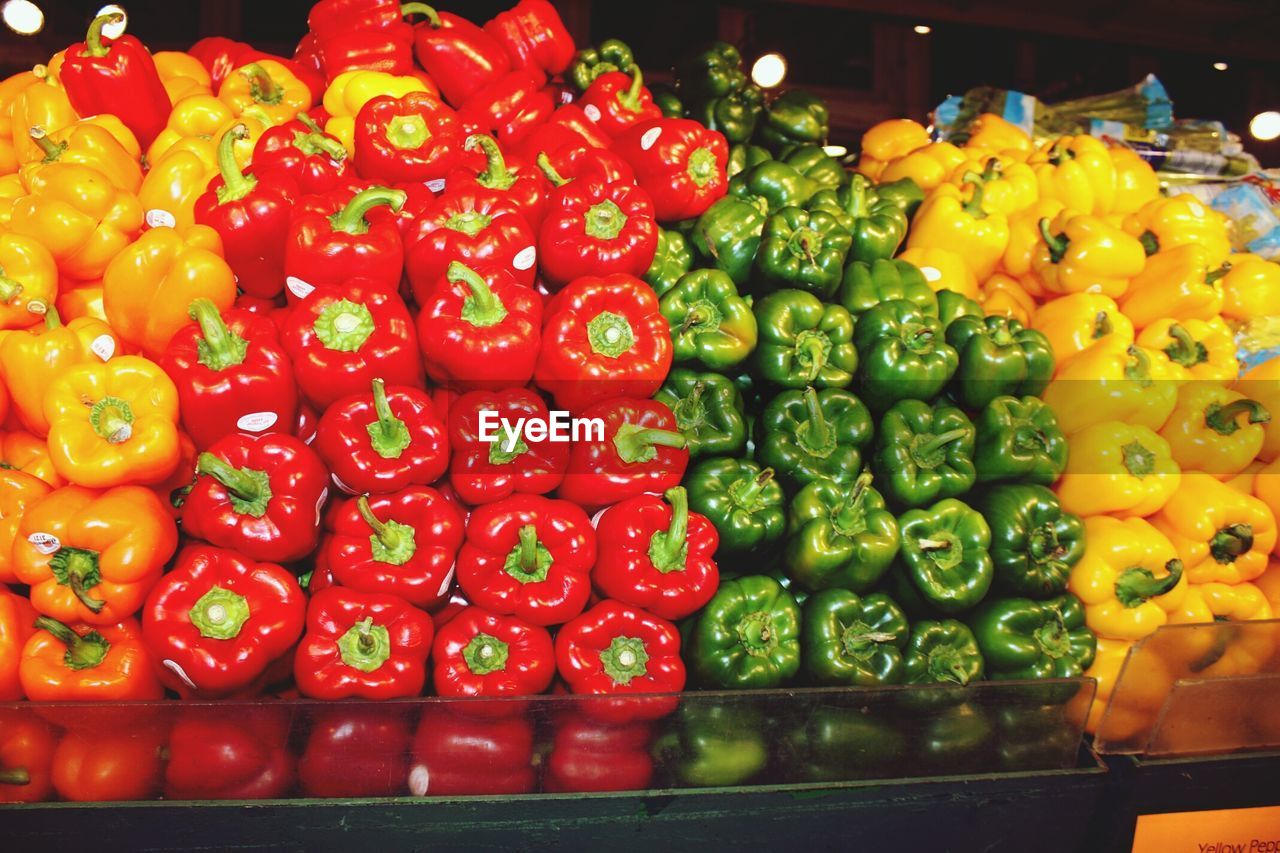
194 117
173 491
43 104
1266 488
929 165
267 91
24 452
27 744
1136 181
1204 350
31 359
88 663
1077 171
1166 223
886 141
1220 602
1109 381
943 269
1180 282
1130 578
1243 481
1025 238
1214 429
88 143
1083 254
17 492
949 220
1251 288
351 90
1004 296
10 88
1269 583
1008 185
990 132
1220 535
113 424
107 765
79 216
28 281
1262 383
1118 468
17 624
92 556
78 299
182 75
1108 660
1077 321
149 287
11 189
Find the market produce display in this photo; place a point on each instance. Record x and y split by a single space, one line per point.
454 360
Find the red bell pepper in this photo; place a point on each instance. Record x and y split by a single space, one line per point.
520 183
460 57
251 215
533 36
529 556
479 653
221 56
404 543
330 242
617 100
27 744
259 495
218 620
642 451
306 55
410 139
591 755
456 753
603 338
367 35
341 338
308 422
597 227
679 162
481 471
370 645
383 441
112 760
355 751
575 161
236 753
473 227
116 76
480 331
568 127
510 107
657 556
300 153
173 491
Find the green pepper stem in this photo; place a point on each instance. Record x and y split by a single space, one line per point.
52 150
1137 585
112 419
483 307
351 219
243 485
1230 542
388 435
858 187
1102 325
496 175
528 548
1150 242
1185 350
1218 273
1222 419
669 548
386 534
309 123
52 319
817 357
93 45
818 434
10 289
235 183
220 347
973 206
432 16
940 440
14 776
544 163
82 652
262 87
1139 367
630 99
750 493
638 445
1057 245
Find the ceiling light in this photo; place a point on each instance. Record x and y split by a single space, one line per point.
835 150
769 70
114 29
23 17
1265 126
1220 66
922 29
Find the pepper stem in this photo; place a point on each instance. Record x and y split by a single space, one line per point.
858 188
544 163
351 219
1057 245
10 289
112 419
235 183
485 654
625 659
262 87
1138 367
630 99
604 221
640 444
78 568
391 542
610 334
1222 419
219 614
219 348
93 45
939 441
52 150
365 646
1185 350
849 508
1230 542
248 490
746 495
482 308
82 652
1136 585
817 435
14 776
1102 325
1218 273
817 353
669 549
1139 460
388 435
496 175
432 16
528 547
973 206
1150 242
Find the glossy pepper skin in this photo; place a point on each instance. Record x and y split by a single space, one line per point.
1118 469
744 502
1111 380
331 240
902 354
298 152
709 412
267 90
1170 222
17 623
1221 536
444 749
946 220
1180 282
1198 349
877 225
615 648
794 118
481 471
407 139
678 162
728 236
231 374
229 753
615 100
518 181
944 651
479 653
596 227
839 536
853 640
1084 254
1018 440
810 435
116 76
1215 429
218 622
1021 638
997 356
101 143
1130 578
803 250
18 491
748 636
26 756
1034 543
366 645
459 56
85 663
594 61
804 342
533 36
712 326
656 555
603 337
259 495
945 552
673 258
28 281
924 453
772 185
529 556
475 227
403 543
867 284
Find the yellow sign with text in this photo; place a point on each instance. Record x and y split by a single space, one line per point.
1223 831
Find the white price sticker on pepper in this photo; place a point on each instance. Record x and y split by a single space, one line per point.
45 543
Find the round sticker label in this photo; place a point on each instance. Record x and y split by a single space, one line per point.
592 111
103 346
930 273
524 258
444 586
298 287
257 421
158 218
650 136
45 543
436 186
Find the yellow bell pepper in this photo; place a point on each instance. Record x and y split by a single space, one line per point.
1108 660
1077 171
990 132
1181 282
1243 481
182 75
182 173
89 144
265 90
149 287
1077 321
943 269
79 216
28 281
1220 535
11 189
1110 381
43 104
929 165
1120 469
1220 602
1130 578
194 117
1004 296
1269 584
1024 239
1078 253
1251 287
1167 223
1262 383
81 299
1266 488
10 88
113 423
946 220
886 141
1008 186
1203 350
1136 181
351 90
1214 429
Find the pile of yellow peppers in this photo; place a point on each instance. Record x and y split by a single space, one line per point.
1174 458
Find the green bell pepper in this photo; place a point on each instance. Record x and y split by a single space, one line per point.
945 551
803 250
837 743
804 342
794 118
941 652
711 325
817 165
728 235
810 435
1036 737
1034 543
1019 440
955 740
923 453
734 114
772 185
709 412
852 639
748 635
713 742
743 157
666 100
865 285
1021 638
742 500
901 354
673 259
713 72
878 226
952 306
591 62
839 536
904 192
998 356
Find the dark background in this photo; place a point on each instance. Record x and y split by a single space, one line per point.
861 54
